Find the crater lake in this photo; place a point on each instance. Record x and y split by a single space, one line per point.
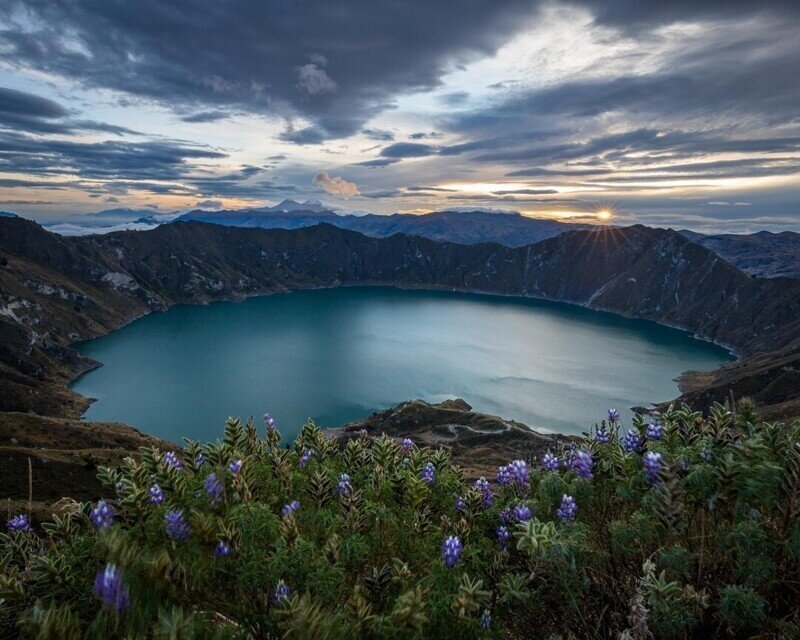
336 355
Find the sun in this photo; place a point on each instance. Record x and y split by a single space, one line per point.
604 214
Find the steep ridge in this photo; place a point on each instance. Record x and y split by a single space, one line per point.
55 290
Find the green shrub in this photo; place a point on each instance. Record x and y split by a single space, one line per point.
687 529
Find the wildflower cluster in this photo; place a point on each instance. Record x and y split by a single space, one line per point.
676 526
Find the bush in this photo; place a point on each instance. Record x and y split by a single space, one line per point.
685 530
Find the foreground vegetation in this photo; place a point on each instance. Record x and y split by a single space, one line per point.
679 526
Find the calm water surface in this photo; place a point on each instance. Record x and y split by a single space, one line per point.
337 355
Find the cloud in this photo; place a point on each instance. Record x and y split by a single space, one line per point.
206 116
314 80
243 55
209 204
408 150
335 186
380 135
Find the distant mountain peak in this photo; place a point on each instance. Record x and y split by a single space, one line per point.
289 205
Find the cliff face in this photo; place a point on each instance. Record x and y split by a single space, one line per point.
55 290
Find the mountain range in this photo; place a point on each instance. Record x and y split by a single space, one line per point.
55 290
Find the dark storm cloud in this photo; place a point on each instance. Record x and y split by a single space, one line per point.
408 150
21 111
251 56
206 116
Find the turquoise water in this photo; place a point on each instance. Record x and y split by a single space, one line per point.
336 355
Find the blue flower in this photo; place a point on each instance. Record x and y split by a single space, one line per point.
19 524
503 475
172 460
506 515
200 460
522 513
177 527
235 467
549 462
305 458
344 487
482 484
632 441
222 550
460 504
568 508
102 516
429 473
503 536
407 444
269 421
485 620
613 416
602 434
654 431
109 587
156 494
518 469
281 593
214 489
289 509
652 466
582 464
451 551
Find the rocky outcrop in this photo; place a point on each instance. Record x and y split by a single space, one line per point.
478 442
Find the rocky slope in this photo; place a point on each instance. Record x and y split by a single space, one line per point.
762 254
55 290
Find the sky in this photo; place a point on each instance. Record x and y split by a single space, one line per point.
683 113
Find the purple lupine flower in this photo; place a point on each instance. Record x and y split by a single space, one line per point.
460 505
102 516
109 587
281 593
200 460
362 433
429 473
19 524
344 487
214 489
582 464
518 472
171 460
503 536
503 475
269 421
485 620
235 467
222 550
632 441
407 444
613 416
451 551
506 515
522 513
177 527
568 508
156 494
602 434
654 431
485 488
652 466
305 457
550 462
289 509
